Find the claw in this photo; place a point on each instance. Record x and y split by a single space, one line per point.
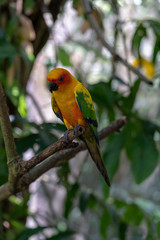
78 128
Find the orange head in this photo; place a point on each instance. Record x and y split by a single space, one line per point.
57 78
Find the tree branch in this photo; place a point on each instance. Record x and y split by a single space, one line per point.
63 156
5 191
12 157
108 46
6 128
55 147
48 161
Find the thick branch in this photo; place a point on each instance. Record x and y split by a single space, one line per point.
108 46
6 128
5 191
62 157
55 147
56 160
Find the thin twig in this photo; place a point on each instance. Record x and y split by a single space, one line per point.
108 46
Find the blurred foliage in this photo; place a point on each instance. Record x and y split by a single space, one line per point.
89 210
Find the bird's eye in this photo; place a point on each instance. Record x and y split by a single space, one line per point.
61 79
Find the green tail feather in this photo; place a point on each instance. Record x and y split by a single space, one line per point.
95 153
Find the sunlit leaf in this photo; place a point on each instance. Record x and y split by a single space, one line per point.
19 210
22 107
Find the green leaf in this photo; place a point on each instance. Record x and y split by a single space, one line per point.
50 126
92 202
26 142
112 153
71 194
7 50
83 201
119 203
158 229
105 221
29 4
138 35
144 157
104 96
156 50
63 57
20 208
2 2
12 26
129 101
141 148
155 25
130 216
75 2
62 235
63 173
22 106
28 232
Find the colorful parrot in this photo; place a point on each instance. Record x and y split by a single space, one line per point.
72 103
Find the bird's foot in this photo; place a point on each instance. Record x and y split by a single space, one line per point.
78 129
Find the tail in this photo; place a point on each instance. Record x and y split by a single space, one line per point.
94 150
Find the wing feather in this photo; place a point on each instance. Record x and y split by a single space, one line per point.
85 104
56 109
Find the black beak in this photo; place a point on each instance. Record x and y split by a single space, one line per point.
53 86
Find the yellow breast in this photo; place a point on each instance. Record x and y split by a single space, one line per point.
68 106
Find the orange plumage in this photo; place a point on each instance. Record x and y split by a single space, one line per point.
72 103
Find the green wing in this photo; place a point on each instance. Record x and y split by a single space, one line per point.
56 109
85 104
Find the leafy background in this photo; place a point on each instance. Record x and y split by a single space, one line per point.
73 202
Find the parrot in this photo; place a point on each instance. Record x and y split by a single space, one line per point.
72 103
